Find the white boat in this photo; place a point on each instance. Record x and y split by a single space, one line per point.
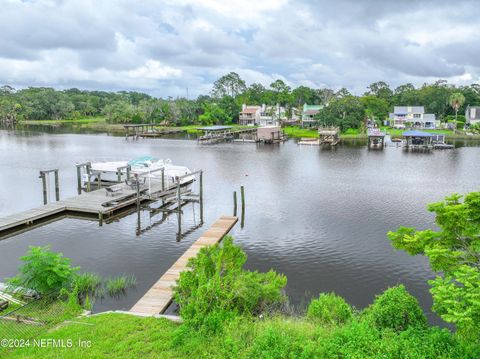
147 167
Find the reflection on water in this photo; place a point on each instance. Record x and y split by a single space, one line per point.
319 216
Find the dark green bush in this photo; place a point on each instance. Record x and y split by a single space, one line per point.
216 288
329 308
396 309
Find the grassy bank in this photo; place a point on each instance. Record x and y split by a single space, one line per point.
125 336
99 124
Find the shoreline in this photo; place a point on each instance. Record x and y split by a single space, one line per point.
99 125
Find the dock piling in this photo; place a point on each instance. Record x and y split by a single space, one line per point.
201 197
179 210
43 176
79 179
163 179
44 187
57 186
242 194
234 203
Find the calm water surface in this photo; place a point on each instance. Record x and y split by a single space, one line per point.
318 216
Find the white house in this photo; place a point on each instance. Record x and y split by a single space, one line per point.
413 116
308 114
472 115
264 115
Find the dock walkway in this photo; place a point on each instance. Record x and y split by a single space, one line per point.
160 295
96 204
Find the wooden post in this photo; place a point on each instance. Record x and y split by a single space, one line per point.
79 179
163 179
119 175
137 182
88 177
242 194
201 197
57 187
99 180
179 210
100 219
234 203
44 187
128 171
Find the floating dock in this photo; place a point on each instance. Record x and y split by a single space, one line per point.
160 295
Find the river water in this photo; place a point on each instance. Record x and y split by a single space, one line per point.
318 216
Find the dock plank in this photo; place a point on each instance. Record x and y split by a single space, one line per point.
160 295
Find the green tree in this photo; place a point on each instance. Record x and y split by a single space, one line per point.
381 90
344 112
456 100
375 108
453 251
213 115
281 93
44 271
228 85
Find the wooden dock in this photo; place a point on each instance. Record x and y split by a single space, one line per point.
97 204
160 295
148 130
214 134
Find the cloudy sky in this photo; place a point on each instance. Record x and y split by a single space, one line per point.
164 46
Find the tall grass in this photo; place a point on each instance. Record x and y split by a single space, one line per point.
118 285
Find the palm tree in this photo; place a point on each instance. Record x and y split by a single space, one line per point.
456 100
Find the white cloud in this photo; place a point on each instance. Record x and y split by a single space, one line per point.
164 48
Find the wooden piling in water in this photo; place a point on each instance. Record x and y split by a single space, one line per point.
57 186
79 179
201 197
44 187
242 194
179 210
234 203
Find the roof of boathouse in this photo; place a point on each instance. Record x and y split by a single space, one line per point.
214 128
416 133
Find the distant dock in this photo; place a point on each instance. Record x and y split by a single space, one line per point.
160 295
148 130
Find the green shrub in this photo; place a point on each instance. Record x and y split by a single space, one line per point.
44 271
329 309
216 288
396 309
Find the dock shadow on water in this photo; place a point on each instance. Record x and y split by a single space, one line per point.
320 217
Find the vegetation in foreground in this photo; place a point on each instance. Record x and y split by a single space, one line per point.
228 311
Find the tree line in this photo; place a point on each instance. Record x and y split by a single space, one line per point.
224 102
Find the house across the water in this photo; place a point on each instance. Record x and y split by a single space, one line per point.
411 116
308 115
265 115
249 116
472 115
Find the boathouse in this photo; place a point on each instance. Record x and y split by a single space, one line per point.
269 134
418 139
376 138
329 136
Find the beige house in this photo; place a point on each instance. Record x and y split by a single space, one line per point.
249 116
265 115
